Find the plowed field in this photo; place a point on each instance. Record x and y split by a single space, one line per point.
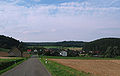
95 67
4 54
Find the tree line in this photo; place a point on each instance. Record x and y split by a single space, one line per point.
63 43
8 42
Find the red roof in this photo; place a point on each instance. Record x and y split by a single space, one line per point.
29 50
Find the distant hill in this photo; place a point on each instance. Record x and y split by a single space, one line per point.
8 42
102 45
64 43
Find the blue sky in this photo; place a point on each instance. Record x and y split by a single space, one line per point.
58 20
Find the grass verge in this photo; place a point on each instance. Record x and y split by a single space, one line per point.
57 69
12 66
86 58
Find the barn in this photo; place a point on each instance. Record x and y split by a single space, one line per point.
15 52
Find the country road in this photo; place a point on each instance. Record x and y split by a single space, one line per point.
31 67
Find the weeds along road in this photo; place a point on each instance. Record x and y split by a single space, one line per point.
31 67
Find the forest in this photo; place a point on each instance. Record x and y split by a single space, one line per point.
109 47
8 42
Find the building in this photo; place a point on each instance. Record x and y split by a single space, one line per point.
63 53
15 52
35 51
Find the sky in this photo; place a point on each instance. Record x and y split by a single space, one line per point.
59 20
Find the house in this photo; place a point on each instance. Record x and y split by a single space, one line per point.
63 53
35 51
29 50
15 52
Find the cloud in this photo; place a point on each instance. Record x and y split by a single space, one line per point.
36 0
53 30
68 20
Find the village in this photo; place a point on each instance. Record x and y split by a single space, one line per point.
59 37
15 52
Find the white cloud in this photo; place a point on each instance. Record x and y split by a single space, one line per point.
53 30
69 19
36 0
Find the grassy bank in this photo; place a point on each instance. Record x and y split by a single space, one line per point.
12 66
86 58
57 69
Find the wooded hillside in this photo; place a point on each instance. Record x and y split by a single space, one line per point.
104 46
8 42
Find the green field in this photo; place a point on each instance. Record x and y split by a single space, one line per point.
46 46
86 58
57 69
59 47
4 50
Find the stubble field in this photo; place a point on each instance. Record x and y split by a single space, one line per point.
95 67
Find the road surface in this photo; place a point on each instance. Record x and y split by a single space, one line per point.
31 67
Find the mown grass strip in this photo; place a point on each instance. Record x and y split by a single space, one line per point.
4 60
12 66
86 58
57 69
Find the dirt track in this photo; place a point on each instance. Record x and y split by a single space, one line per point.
95 67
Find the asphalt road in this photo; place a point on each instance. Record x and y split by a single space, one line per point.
31 67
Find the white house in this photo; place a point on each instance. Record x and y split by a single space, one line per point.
35 51
63 53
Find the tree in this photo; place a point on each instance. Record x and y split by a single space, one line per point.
103 46
112 52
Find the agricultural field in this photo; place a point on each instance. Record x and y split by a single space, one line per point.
57 69
95 67
74 48
71 48
92 66
4 52
59 47
81 58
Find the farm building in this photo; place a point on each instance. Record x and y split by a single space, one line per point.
35 51
15 52
63 53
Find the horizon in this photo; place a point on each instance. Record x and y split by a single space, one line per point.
65 40
59 20
60 40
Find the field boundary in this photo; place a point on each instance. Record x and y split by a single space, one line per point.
57 69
